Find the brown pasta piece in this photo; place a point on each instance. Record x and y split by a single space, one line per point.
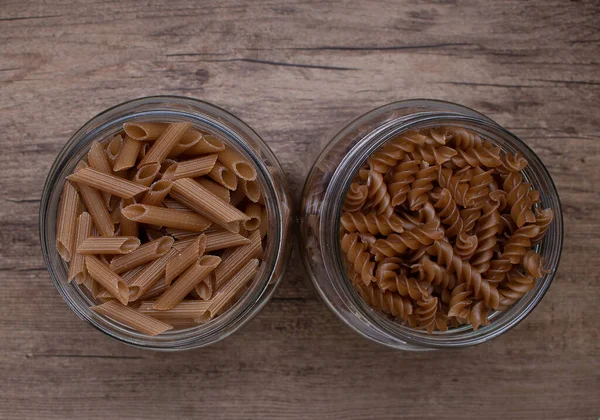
77 270
66 225
161 148
355 197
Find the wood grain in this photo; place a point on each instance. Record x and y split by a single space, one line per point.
296 70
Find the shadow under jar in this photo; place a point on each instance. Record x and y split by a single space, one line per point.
233 132
324 194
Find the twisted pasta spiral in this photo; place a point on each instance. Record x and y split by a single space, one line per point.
460 301
478 315
470 218
461 138
499 197
433 273
394 151
496 273
386 272
512 163
422 184
457 183
534 264
434 155
448 210
425 313
515 288
371 223
355 197
440 135
479 190
519 242
396 244
488 227
358 256
387 302
517 198
465 245
543 219
401 180
481 288
477 156
378 193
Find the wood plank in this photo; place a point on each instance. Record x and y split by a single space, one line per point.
295 71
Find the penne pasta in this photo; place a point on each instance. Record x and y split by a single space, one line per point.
114 209
160 216
223 176
146 174
185 258
127 277
143 150
185 309
148 252
236 259
254 212
189 139
186 282
77 269
181 234
250 189
128 154
108 279
194 167
95 205
113 147
205 288
143 281
224 239
108 183
66 226
157 193
218 190
127 227
161 148
132 318
203 201
98 161
237 164
153 234
112 245
144 130
207 144
230 290
157 289
264 223
173 204
237 197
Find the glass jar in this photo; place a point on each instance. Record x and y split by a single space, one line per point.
207 118
324 193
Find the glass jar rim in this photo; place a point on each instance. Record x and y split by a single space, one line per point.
202 114
332 204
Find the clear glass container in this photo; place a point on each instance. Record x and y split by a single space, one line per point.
207 118
324 193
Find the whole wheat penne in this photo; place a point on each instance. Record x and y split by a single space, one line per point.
223 176
113 147
114 209
230 290
143 150
190 139
236 259
98 161
185 309
127 277
153 234
224 239
237 197
181 234
205 288
108 279
128 154
95 289
206 203
157 289
146 174
105 182
94 203
157 193
264 223
161 148
174 204
66 226
132 318
195 167
127 227
77 269
207 144
165 165
237 164
160 216
217 189
112 245
148 252
254 212
150 274
250 189
186 282
142 131
185 258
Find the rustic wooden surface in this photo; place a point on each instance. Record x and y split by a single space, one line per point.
294 71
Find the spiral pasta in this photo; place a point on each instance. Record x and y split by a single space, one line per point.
437 229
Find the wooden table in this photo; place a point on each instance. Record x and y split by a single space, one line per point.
294 71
